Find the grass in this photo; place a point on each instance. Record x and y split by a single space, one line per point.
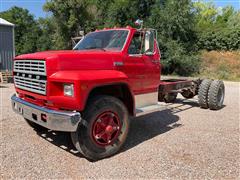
221 65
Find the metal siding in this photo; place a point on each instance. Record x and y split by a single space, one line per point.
6 47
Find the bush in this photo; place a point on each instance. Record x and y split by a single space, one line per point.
176 60
188 65
222 39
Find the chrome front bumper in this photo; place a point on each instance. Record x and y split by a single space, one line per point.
54 120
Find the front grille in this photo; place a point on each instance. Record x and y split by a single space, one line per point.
30 66
30 75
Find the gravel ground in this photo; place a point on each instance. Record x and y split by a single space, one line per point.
182 141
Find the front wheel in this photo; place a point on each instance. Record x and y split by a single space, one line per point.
104 130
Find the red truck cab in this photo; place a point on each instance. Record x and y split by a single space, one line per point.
92 90
88 67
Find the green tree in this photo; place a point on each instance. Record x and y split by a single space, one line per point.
101 12
70 17
121 13
46 37
234 20
174 21
217 28
205 14
183 27
222 19
26 29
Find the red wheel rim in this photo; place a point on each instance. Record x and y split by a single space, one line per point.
106 128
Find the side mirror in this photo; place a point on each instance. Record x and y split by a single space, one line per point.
149 43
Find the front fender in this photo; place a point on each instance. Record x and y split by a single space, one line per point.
84 82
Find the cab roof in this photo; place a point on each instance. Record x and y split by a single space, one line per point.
117 28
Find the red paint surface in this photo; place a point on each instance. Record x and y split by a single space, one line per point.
92 68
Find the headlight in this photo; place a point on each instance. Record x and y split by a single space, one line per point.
68 90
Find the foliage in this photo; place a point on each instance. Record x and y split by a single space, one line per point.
222 39
26 29
218 29
70 17
234 20
176 60
184 27
124 12
45 40
205 14
174 21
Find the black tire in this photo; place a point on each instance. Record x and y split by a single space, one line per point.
203 93
84 140
170 97
216 95
35 126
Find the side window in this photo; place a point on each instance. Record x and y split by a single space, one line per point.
137 44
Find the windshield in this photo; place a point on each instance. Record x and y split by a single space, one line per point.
113 40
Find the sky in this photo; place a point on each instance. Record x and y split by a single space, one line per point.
35 6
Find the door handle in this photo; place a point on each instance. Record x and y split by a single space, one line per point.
118 63
135 55
155 61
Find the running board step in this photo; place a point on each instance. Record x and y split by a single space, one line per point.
149 109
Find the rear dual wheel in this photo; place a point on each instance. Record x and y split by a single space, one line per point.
211 94
216 95
104 130
203 93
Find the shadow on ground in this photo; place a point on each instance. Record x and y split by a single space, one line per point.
141 129
149 126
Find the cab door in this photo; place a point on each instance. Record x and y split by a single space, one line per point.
134 64
142 63
151 58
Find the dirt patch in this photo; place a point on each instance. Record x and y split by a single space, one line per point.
221 65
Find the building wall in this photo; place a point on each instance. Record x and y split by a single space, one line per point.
6 47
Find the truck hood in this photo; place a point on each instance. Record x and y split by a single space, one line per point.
75 59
